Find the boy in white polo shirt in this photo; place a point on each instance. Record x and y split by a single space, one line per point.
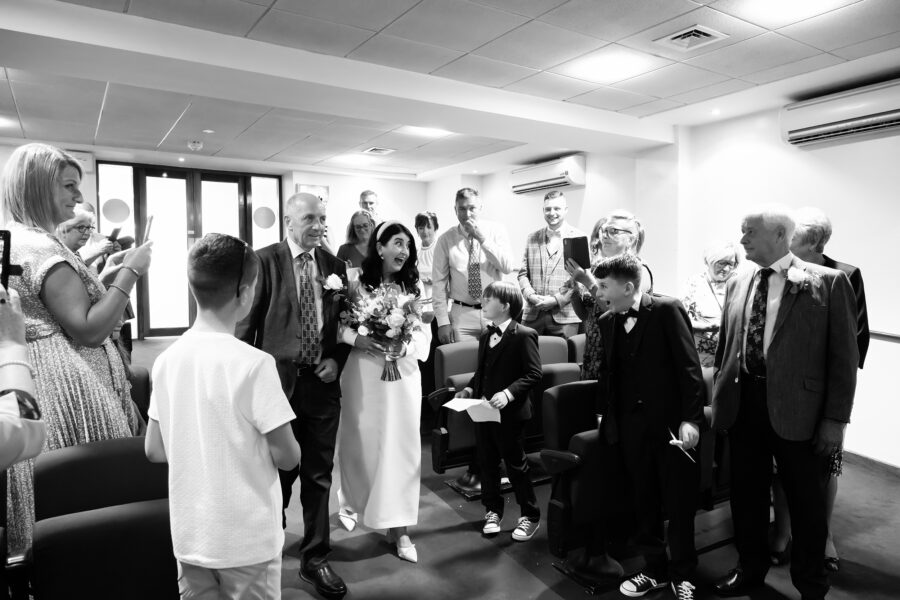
219 417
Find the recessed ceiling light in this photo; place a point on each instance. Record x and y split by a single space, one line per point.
354 159
715 112
180 159
208 131
475 171
431 132
7 122
165 174
611 64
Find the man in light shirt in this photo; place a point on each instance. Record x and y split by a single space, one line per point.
368 200
467 259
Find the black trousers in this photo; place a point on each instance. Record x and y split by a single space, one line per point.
664 484
318 409
804 476
504 440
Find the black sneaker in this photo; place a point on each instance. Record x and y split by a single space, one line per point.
638 585
683 590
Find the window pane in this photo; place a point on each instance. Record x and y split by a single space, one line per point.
266 215
115 194
167 279
220 207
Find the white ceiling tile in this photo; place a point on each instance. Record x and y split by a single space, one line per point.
651 108
58 130
612 63
296 31
158 111
483 71
615 19
52 97
712 91
224 16
399 53
262 2
856 23
455 24
9 117
611 99
380 126
349 134
773 14
807 65
364 14
762 52
528 8
736 30
226 119
671 80
551 85
114 5
539 46
397 141
881 44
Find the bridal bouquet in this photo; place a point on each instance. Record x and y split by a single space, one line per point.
390 317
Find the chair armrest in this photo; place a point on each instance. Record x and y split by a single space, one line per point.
559 461
437 398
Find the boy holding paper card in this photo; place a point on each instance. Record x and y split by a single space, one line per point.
650 401
509 365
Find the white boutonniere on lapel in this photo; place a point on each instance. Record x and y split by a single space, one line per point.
800 280
334 285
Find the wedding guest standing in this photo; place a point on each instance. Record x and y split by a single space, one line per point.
294 318
368 201
379 451
426 224
82 386
705 297
808 243
358 231
543 275
785 380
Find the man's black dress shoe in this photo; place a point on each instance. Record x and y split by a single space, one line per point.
469 481
327 582
736 583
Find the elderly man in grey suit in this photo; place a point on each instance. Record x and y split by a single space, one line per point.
785 380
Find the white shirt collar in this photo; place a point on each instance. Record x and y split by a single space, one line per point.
782 264
549 233
297 250
502 326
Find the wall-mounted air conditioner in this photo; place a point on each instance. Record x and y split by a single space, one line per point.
562 172
874 109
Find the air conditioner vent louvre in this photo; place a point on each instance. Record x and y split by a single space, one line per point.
378 151
691 38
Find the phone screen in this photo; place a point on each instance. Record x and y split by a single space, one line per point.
577 248
4 261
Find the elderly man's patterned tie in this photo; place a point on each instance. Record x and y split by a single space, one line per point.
474 269
755 359
309 327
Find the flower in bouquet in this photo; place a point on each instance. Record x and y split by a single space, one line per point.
388 315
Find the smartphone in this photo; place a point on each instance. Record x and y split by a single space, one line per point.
4 258
577 248
146 236
114 235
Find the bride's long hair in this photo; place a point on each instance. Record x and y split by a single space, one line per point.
371 270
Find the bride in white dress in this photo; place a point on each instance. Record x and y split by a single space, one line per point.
379 451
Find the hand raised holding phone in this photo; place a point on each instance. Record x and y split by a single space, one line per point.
139 258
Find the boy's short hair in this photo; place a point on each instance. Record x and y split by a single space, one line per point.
507 293
217 266
624 267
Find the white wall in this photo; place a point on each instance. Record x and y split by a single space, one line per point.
724 168
398 199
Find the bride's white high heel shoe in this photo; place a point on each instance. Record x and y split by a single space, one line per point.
407 553
347 519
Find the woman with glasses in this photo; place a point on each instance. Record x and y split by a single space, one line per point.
361 226
74 233
705 297
81 383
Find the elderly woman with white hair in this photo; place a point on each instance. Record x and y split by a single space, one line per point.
706 295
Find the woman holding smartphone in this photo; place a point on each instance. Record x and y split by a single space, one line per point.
80 380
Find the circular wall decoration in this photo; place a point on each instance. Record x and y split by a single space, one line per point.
115 210
264 217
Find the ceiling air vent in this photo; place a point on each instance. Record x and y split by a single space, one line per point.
378 151
691 38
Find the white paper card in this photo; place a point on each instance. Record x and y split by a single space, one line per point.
461 404
484 413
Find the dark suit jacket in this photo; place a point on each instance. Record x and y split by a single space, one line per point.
669 382
812 358
514 364
862 313
273 324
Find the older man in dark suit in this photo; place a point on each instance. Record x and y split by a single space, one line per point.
785 381
294 318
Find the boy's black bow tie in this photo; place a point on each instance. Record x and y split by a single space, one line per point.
493 330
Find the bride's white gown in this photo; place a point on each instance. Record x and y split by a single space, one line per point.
379 450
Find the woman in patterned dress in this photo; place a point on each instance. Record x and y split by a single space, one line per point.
705 297
81 383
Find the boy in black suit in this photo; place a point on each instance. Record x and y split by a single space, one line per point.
651 384
509 365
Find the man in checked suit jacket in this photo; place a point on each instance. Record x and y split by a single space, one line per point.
313 389
543 276
784 387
